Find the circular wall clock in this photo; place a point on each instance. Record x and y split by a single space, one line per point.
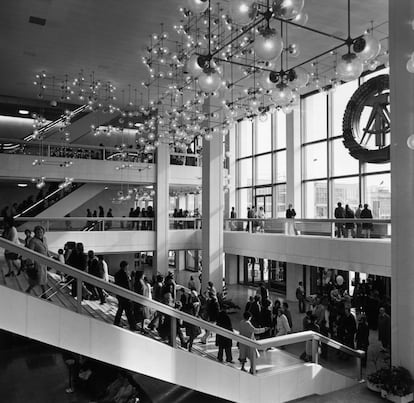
366 121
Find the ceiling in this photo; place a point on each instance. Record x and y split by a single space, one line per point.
108 37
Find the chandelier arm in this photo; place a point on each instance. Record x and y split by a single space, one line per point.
238 36
318 56
317 31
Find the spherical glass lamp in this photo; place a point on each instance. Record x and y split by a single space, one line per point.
192 66
410 142
350 67
287 9
410 65
197 6
209 80
268 45
242 11
371 47
265 82
301 79
282 95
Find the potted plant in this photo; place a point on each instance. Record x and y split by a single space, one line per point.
397 387
377 379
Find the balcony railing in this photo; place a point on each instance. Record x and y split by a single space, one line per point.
48 149
339 228
104 223
175 315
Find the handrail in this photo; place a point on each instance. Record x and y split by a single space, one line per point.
50 125
174 313
319 220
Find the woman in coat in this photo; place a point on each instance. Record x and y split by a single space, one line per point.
248 330
39 244
223 343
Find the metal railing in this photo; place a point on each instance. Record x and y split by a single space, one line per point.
48 149
105 223
73 151
280 341
339 228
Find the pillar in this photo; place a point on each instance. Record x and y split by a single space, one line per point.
231 268
161 212
401 45
294 274
293 160
212 208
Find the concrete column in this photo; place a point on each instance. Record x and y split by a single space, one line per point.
161 210
231 268
401 45
294 274
213 207
293 160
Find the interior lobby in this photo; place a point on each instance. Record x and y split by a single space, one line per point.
175 135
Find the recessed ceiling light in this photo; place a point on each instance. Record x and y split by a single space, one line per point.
23 112
138 124
22 185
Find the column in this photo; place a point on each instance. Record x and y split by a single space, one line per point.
231 268
294 274
401 45
293 160
213 207
161 211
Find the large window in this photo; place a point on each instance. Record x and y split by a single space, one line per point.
262 163
329 173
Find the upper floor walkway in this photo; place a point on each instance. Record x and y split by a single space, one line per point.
321 249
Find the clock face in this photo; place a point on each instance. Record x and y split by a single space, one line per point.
366 122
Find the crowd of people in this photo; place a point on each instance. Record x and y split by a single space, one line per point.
349 229
335 314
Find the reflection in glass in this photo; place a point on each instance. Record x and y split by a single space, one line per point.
342 162
280 130
378 195
315 127
245 138
245 172
316 199
263 169
280 166
340 98
315 161
264 135
346 191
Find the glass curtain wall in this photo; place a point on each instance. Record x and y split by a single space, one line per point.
261 165
329 173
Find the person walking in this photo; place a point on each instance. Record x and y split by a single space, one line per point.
39 244
124 304
246 329
224 344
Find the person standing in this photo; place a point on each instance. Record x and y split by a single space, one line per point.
287 313
366 226
339 214
233 213
110 216
358 226
192 284
362 338
349 226
12 258
250 215
290 224
347 328
103 268
281 324
224 344
39 244
94 270
124 304
384 329
300 296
